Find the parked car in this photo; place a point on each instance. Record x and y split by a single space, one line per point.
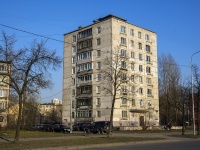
99 127
80 126
48 127
61 128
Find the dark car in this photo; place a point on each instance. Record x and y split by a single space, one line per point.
99 127
48 127
61 128
80 126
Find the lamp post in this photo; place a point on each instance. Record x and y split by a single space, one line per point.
193 113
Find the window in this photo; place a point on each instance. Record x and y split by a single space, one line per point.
84 113
123 76
98 53
73 115
98 101
73 48
148 80
133 102
1 106
84 55
73 92
3 68
123 29
149 103
123 64
84 33
98 89
148 59
132 54
147 48
141 103
123 52
132 66
124 101
74 38
2 93
148 69
146 37
123 89
1 118
140 68
98 113
84 78
132 78
149 91
73 60
98 65
123 40
139 35
98 77
98 41
140 45
98 30
124 114
140 90
83 67
132 43
140 79
140 56
132 89
73 81
131 32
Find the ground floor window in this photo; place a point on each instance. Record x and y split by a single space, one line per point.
1 118
84 114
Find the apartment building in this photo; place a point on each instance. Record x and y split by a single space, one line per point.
4 92
85 51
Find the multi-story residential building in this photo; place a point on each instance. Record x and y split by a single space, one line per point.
85 50
4 92
56 101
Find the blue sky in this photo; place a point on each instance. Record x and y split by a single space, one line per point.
176 22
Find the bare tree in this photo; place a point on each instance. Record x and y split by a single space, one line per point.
169 82
30 112
116 79
30 67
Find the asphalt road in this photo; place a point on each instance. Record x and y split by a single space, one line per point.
175 145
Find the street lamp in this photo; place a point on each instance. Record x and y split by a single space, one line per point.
193 114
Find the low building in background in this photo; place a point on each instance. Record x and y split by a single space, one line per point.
51 112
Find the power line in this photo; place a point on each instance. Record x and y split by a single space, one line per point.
33 33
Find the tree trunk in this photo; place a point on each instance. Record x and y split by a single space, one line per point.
111 117
19 119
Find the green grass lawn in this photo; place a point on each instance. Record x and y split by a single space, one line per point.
68 142
32 134
78 139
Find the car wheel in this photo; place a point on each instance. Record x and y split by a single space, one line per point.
86 131
99 131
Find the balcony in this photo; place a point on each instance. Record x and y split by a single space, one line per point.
84 107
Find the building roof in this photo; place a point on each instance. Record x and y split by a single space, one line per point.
7 62
108 17
104 19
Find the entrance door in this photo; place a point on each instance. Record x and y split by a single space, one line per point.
142 121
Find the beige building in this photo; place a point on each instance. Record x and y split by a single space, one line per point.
85 50
4 92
